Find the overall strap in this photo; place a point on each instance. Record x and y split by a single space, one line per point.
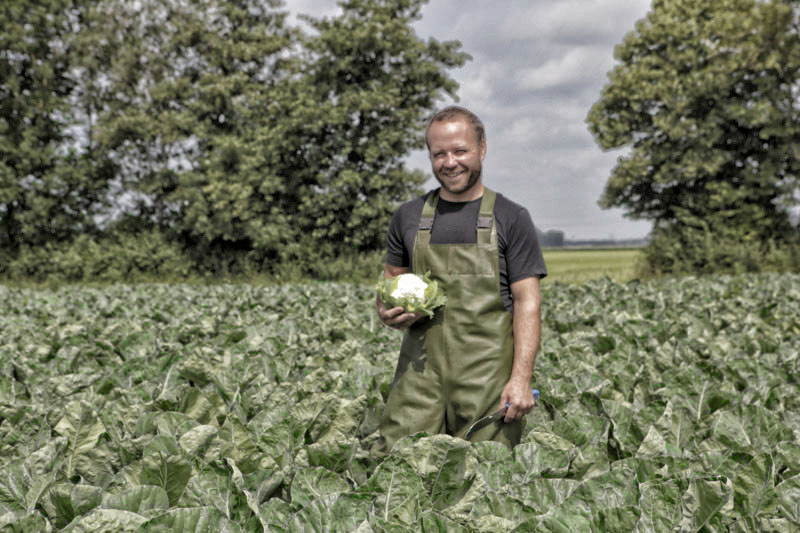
487 233
426 218
485 228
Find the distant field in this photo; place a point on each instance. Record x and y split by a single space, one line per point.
578 266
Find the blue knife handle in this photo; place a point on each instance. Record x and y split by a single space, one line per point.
535 396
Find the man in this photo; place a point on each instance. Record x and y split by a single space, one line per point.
476 353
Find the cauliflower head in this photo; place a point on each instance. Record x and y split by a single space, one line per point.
415 294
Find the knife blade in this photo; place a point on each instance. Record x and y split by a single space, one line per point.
493 417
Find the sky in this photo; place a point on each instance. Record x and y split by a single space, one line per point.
537 67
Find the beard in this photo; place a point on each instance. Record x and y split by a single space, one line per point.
472 179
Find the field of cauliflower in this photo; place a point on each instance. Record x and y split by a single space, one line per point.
672 405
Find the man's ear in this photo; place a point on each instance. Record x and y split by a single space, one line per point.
483 150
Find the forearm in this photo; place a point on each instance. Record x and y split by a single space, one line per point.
526 330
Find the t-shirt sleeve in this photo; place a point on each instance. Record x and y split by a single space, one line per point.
523 253
396 253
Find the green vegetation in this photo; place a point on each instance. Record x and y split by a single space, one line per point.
239 143
579 266
666 405
181 140
149 258
705 98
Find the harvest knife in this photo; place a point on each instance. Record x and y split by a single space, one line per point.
493 417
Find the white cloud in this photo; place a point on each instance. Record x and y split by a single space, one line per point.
316 8
578 65
572 21
479 90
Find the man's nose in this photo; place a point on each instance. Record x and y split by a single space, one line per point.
450 160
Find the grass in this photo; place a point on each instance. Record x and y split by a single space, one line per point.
581 265
563 265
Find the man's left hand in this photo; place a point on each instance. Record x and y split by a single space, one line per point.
517 394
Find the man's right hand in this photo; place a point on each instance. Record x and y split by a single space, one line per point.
396 317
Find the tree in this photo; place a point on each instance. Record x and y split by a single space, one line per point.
50 185
192 79
706 98
368 84
319 171
255 139
211 124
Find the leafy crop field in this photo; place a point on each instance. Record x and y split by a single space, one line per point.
671 405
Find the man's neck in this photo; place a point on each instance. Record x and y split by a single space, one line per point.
473 193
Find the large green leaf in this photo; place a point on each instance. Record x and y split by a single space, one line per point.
162 444
21 489
499 509
660 503
169 472
618 487
81 426
190 520
446 465
547 453
139 499
703 501
106 521
542 494
10 523
237 443
335 512
209 488
312 483
276 514
616 519
398 494
754 487
201 442
788 493
255 488
65 501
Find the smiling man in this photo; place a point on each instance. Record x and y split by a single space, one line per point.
476 354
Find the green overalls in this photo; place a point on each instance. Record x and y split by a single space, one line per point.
453 366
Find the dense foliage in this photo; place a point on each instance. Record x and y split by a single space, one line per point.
242 141
705 98
49 186
670 405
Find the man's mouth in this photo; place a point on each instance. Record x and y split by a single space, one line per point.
452 175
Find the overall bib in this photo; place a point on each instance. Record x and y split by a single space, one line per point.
453 367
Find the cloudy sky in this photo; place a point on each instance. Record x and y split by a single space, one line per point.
537 67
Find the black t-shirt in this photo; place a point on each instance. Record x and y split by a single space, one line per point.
520 256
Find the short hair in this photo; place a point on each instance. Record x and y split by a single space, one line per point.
453 111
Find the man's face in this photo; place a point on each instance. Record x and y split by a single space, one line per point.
456 155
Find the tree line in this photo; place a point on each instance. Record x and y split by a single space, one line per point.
173 136
706 99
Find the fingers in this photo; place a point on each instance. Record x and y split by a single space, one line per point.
517 408
504 400
402 321
515 412
396 318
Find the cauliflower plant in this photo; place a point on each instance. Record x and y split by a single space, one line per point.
413 293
